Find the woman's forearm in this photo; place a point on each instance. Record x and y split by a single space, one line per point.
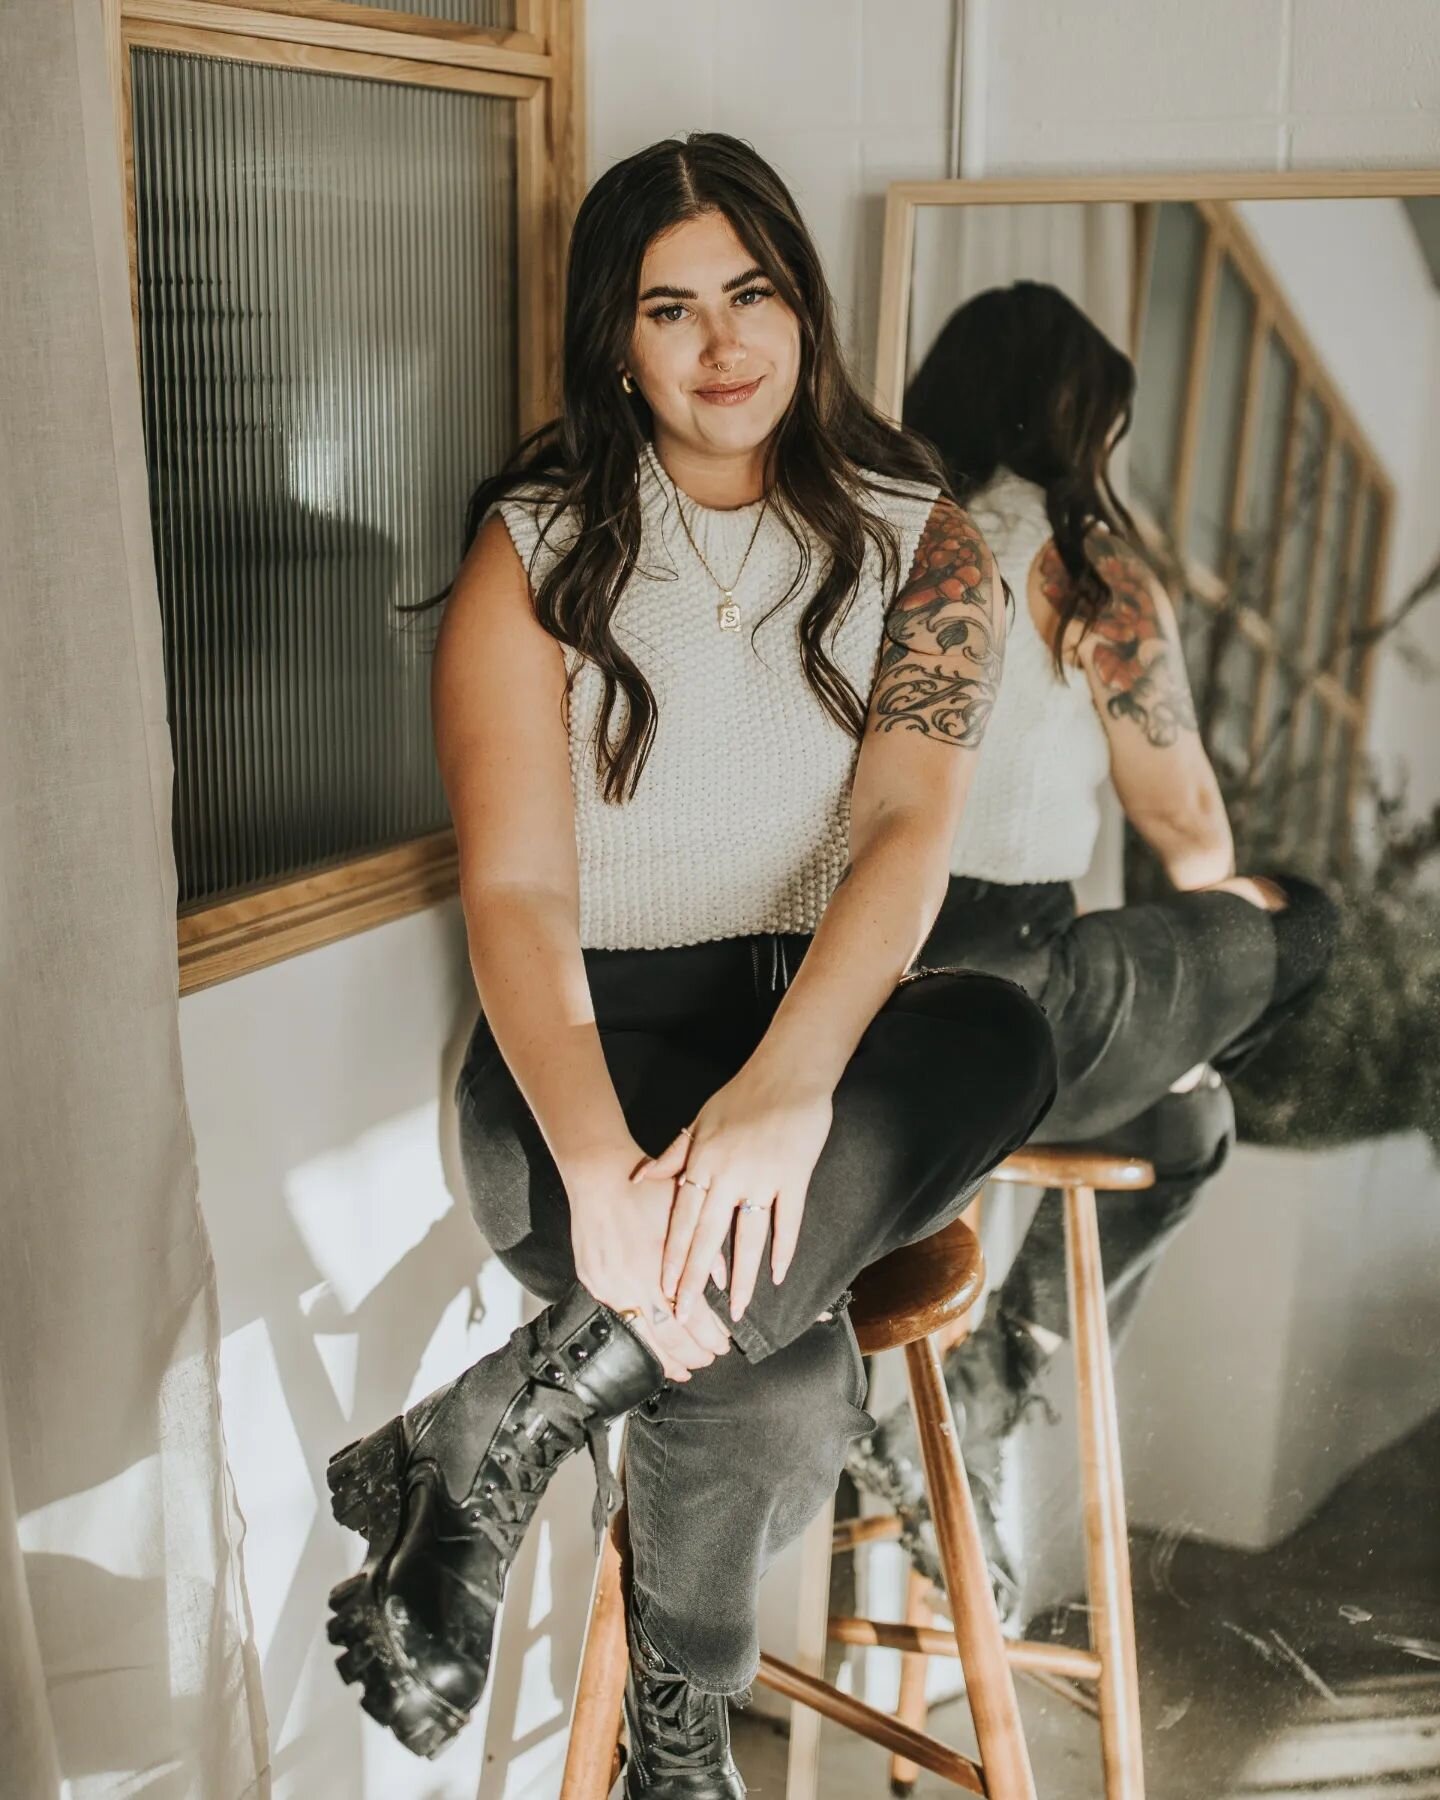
1189 832
872 929
530 975
1197 863
1195 851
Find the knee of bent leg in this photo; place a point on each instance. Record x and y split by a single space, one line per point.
1003 1026
1192 1133
1023 1047
1307 929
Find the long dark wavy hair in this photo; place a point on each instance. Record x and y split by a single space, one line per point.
588 458
1020 379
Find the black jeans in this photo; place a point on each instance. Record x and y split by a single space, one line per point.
1136 996
953 1073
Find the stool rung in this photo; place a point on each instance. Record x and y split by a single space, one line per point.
882 1634
1071 1169
849 1534
1080 1698
928 1752
932 1640
1054 1659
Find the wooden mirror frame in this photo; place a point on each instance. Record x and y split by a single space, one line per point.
1346 708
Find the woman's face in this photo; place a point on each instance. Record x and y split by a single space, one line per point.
706 320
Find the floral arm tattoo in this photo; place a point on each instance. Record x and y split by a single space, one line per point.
1136 659
942 650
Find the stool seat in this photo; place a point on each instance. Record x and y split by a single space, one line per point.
918 1289
1055 1166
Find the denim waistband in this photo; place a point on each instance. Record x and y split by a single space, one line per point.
733 977
769 959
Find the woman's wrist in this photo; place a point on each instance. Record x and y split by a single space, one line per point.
583 1161
786 1072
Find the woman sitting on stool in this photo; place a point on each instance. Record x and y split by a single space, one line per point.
708 693
1151 1005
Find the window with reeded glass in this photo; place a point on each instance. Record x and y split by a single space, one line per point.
326 277
344 278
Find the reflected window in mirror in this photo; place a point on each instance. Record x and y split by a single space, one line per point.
1255 483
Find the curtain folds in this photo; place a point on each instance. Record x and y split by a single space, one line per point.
125 1663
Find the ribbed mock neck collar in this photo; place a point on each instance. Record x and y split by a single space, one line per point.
720 523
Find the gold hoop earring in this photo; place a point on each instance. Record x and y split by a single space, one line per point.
626 382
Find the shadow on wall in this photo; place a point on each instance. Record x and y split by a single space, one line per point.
353 1281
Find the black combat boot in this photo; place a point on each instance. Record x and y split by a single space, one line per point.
989 1378
679 1737
443 1495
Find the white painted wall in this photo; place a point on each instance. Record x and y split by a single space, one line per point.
344 1260
353 1282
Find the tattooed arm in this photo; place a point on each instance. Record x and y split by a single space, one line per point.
933 690
1136 668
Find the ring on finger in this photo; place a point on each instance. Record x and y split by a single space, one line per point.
753 1206
690 1181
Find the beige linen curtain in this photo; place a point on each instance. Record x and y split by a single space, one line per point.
124 1660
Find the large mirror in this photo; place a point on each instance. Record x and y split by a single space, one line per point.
1279 1386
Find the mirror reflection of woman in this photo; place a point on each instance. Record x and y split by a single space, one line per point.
1151 1005
709 691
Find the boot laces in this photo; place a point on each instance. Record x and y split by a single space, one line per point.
565 1422
679 1723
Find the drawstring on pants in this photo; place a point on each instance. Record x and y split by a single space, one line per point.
779 977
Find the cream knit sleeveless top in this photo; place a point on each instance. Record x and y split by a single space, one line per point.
1033 811
741 819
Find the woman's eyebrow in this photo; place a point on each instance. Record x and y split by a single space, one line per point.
675 293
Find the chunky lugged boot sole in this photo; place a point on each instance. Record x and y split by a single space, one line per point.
365 1497
573 1368
392 1693
364 1481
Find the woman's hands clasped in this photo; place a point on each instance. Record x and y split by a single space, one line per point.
618 1229
746 1160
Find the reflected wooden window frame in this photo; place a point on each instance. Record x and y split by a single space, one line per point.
1339 694
539 65
1344 691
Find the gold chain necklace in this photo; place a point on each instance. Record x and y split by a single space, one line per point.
727 613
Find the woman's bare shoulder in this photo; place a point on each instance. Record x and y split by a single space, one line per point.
1134 594
492 649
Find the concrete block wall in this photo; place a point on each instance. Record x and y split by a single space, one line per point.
1254 84
845 96
842 96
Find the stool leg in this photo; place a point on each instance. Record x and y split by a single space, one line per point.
1107 1551
600 1685
812 1610
988 1682
911 1708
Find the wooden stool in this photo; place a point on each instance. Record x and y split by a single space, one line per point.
1110 1662
902 1301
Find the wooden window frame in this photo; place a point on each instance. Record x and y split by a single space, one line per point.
539 65
1212 194
1226 239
